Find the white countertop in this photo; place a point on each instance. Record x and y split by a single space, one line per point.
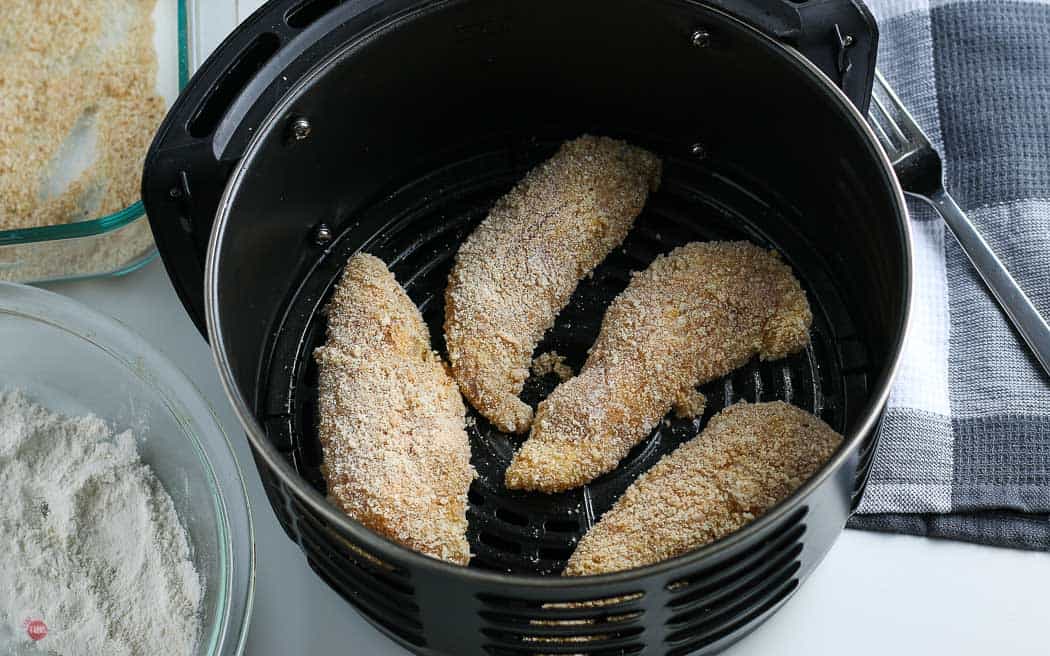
874 594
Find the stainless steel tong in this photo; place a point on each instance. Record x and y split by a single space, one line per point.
919 169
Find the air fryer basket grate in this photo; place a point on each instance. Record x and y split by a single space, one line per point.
424 223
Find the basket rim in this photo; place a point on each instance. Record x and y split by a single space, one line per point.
412 561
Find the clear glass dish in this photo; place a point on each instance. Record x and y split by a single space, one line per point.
120 242
75 361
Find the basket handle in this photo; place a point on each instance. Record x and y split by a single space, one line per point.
211 123
839 36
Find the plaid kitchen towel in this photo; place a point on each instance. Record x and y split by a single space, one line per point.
964 450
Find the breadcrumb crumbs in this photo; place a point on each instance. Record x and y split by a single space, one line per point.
64 63
689 403
86 67
552 362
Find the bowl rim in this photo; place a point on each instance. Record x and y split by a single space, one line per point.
183 399
403 557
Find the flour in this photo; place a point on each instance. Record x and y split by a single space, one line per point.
94 560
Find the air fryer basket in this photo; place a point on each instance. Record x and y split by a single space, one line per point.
323 128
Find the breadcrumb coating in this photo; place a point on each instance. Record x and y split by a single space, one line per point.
689 403
396 453
694 315
750 457
521 265
551 362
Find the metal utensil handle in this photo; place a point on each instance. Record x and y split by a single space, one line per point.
1011 297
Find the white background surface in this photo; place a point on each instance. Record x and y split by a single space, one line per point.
874 594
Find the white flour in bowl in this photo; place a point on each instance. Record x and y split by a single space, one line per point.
94 560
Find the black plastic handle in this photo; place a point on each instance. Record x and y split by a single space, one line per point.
839 36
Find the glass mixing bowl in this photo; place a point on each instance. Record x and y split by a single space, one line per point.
75 361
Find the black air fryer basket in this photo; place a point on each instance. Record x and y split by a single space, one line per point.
320 128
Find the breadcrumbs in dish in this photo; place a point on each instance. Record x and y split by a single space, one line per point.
78 109
66 66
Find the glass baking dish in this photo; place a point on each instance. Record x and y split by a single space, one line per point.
120 242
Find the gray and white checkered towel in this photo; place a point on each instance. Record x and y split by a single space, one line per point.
965 443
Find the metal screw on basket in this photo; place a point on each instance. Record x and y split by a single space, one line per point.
301 128
701 38
322 235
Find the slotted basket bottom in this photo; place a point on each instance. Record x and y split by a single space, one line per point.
424 223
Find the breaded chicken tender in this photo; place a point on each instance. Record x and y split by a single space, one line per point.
694 315
521 265
396 452
747 459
